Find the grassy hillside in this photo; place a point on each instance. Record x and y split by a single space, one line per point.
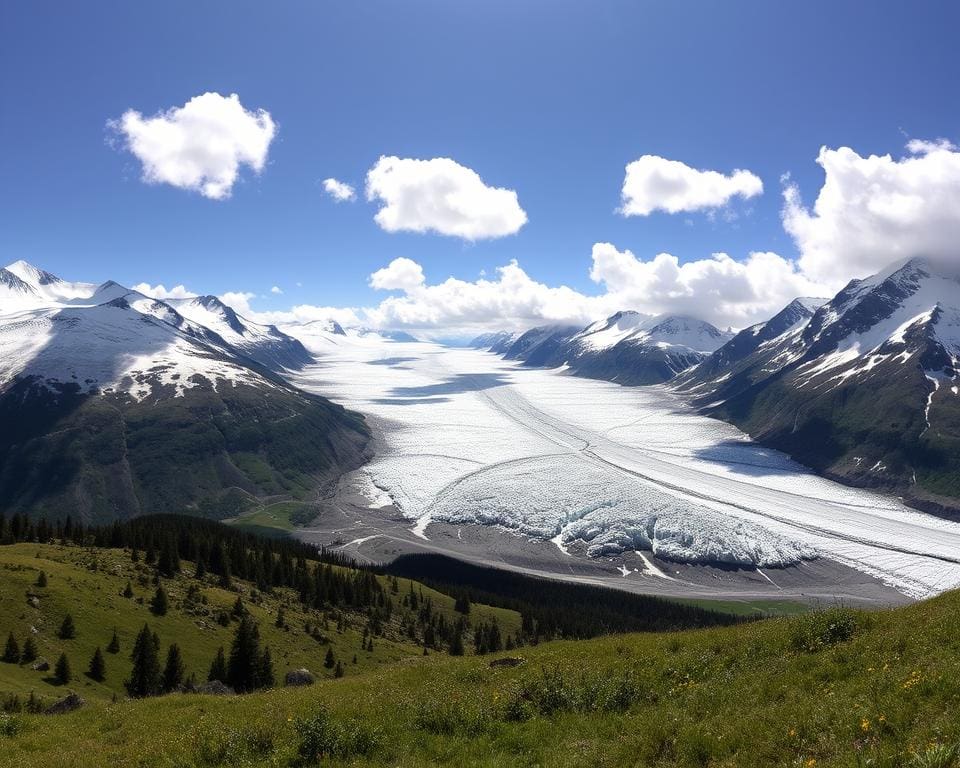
836 689
88 583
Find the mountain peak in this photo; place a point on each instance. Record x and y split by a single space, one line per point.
31 274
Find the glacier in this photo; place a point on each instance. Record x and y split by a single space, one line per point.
467 438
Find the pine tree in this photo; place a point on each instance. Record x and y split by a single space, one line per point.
67 630
128 590
169 561
265 677
462 604
238 608
42 579
30 652
145 675
281 621
174 670
338 672
114 646
160 603
61 671
329 660
98 667
201 571
11 654
218 669
244 661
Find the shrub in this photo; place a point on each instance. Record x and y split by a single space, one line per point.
321 737
10 725
815 631
231 746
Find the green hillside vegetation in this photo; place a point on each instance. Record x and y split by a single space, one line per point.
212 451
88 584
839 688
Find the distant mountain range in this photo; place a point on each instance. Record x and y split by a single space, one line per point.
628 348
863 387
115 404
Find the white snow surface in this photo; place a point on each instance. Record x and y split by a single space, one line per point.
469 438
106 338
661 330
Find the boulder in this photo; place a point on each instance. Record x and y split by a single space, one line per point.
40 665
215 688
66 704
299 677
33 601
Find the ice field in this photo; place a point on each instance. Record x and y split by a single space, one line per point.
467 438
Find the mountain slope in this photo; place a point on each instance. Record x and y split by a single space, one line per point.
115 404
265 344
628 348
864 389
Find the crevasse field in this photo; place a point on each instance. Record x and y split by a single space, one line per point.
465 437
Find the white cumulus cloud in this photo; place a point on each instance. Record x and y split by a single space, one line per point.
400 274
654 183
276 290
199 146
159 291
874 210
239 301
442 196
719 289
339 190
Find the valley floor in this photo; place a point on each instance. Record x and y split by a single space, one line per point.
479 456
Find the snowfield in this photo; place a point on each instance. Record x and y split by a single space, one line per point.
468 438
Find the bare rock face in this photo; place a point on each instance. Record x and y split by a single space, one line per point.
296 677
66 704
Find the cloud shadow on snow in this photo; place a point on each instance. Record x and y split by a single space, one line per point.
462 382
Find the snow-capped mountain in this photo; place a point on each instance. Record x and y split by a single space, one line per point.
627 347
115 403
498 341
864 386
266 344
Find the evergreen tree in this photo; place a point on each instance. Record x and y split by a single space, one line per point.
128 590
11 653
30 652
145 675
174 670
201 571
42 579
218 669
114 646
169 561
244 661
329 660
61 672
265 677
338 672
462 604
67 630
160 603
238 608
98 667
281 621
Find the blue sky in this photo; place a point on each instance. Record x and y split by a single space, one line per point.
550 99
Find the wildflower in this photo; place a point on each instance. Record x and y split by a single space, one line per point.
865 725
